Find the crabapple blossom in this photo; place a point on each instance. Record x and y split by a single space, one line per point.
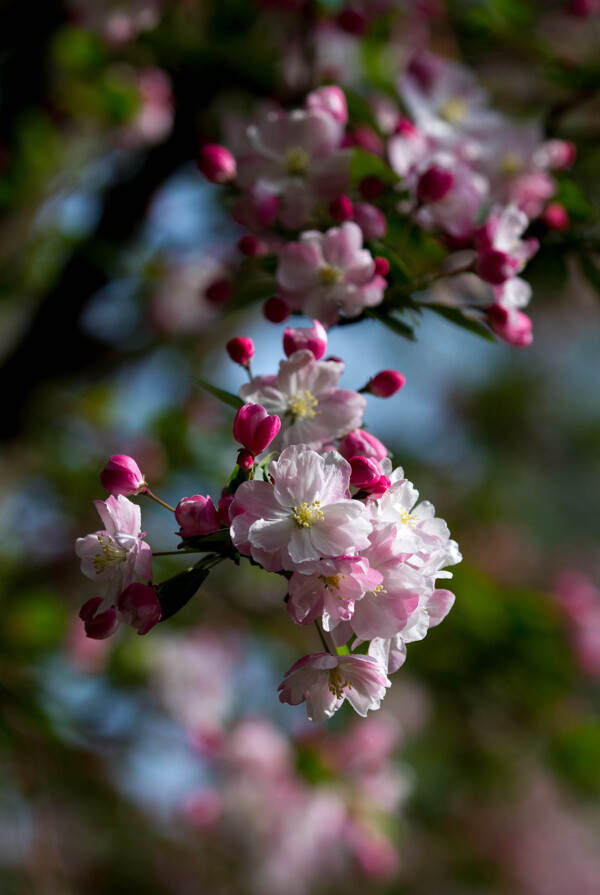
306 514
122 475
361 443
254 428
139 607
341 209
314 339
304 394
503 253
330 589
197 516
452 199
327 273
276 310
329 99
323 681
371 221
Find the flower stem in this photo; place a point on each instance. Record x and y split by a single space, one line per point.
322 637
149 493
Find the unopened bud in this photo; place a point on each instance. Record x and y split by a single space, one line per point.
494 266
362 443
382 266
219 292
217 163
276 310
434 184
352 21
245 460
197 516
513 328
385 384
122 475
254 428
252 246
371 220
139 607
330 99
314 339
240 350
341 209
556 217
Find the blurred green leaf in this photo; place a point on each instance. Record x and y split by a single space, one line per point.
219 393
455 315
364 164
179 590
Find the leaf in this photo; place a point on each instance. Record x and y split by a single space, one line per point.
219 393
400 273
365 164
591 272
218 542
574 200
175 592
261 469
394 323
455 315
237 477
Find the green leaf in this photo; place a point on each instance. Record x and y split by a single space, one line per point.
175 592
261 469
394 323
455 315
365 164
591 272
237 477
399 272
218 542
219 393
574 199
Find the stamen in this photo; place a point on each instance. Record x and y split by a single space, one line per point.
336 684
112 554
330 275
305 515
380 589
407 518
303 405
297 161
511 163
454 110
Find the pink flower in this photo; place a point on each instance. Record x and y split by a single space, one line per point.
385 384
371 221
313 339
327 273
240 350
324 681
197 516
98 625
341 209
122 475
503 253
511 326
330 589
305 396
305 515
217 163
118 552
329 99
450 204
139 607
362 443
254 428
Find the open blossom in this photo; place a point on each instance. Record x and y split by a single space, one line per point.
305 515
324 681
330 589
118 552
305 396
502 252
450 193
325 274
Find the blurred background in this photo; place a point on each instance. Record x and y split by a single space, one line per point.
166 764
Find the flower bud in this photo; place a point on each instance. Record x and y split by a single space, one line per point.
366 472
100 626
434 184
225 502
514 328
370 188
556 217
219 292
558 155
583 8
254 428
382 266
494 266
217 163
330 99
252 246
139 607
313 339
371 220
341 209
122 475
352 21
276 310
240 350
245 460
385 384
197 516
362 443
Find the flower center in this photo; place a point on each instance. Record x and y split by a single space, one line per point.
296 161
511 163
337 684
331 582
305 515
303 405
112 554
407 518
454 110
380 589
329 275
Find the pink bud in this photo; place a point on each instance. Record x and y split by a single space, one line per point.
382 266
254 428
330 99
240 350
276 310
434 184
583 8
367 138
558 154
494 266
370 188
385 384
252 246
366 472
101 626
313 339
139 607
341 209
556 217
219 292
352 21
514 328
217 163
122 475
225 502
362 443
425 68
406 128
197 516
371 220
245 460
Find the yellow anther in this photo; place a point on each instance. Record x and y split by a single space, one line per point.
511 163
297 161
303 405
305 515
329 275
336 683
111 554
407 518
454 110
380 589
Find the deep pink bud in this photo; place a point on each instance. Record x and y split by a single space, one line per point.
197 516
382 266
101 626
254 428
434 184
330 99
556 217
583 8
494 266
514 328
406 128
276 310
252 246
341 209
558 154
245 460
225 502
139 607
313 339
219 292
122 475
217 163
376 491
370 188
366 472
240 350
352 21
362 443
385 384
371 220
